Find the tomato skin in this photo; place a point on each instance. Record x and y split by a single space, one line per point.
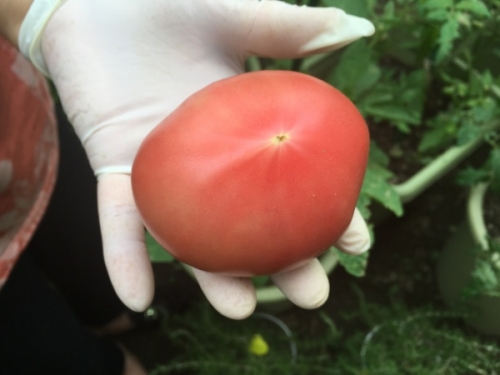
253 174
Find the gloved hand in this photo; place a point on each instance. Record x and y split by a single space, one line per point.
121 66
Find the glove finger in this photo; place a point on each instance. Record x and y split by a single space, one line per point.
233 297
124 245
306 286
280 30
356 239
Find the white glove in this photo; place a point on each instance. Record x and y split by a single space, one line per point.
121 66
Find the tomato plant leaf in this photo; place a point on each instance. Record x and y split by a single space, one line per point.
476 7
393 112
363 205
437 4
376 185
366 80
467 133
378 188
353 264
495 168
354 72
389 10
378 157
470 176
397 100
358 8
436 139
485 110
484 280
438 15
448 33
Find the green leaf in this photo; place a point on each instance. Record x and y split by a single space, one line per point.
448 33
494 245
463 19
438 15
260 281
353 264
382 172
354 71
157 254
389 10
377 187
279 64
467 133
486 275
393 113
366 80
495 168
485 111
476 7
363 205
470 176
377 156
435 139
397 100
355 7
437 4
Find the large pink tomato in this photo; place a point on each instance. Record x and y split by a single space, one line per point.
253 174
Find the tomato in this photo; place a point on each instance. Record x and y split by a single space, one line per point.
253 174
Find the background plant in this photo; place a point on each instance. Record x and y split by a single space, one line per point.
429 79
485 276
431 72
396 340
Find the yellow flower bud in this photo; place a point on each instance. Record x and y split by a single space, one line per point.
258 346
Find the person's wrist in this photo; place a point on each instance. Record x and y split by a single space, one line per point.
12 13
32 30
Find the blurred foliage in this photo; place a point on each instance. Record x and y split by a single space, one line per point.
396 340
354 264
485 276
433 69
157 253
432 72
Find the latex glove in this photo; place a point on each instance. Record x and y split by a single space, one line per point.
121 66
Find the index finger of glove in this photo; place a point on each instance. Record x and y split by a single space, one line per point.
124 245
280 30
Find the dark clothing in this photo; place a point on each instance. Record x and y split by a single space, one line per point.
39 333
60 284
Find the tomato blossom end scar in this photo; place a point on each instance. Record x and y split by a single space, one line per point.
280 139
